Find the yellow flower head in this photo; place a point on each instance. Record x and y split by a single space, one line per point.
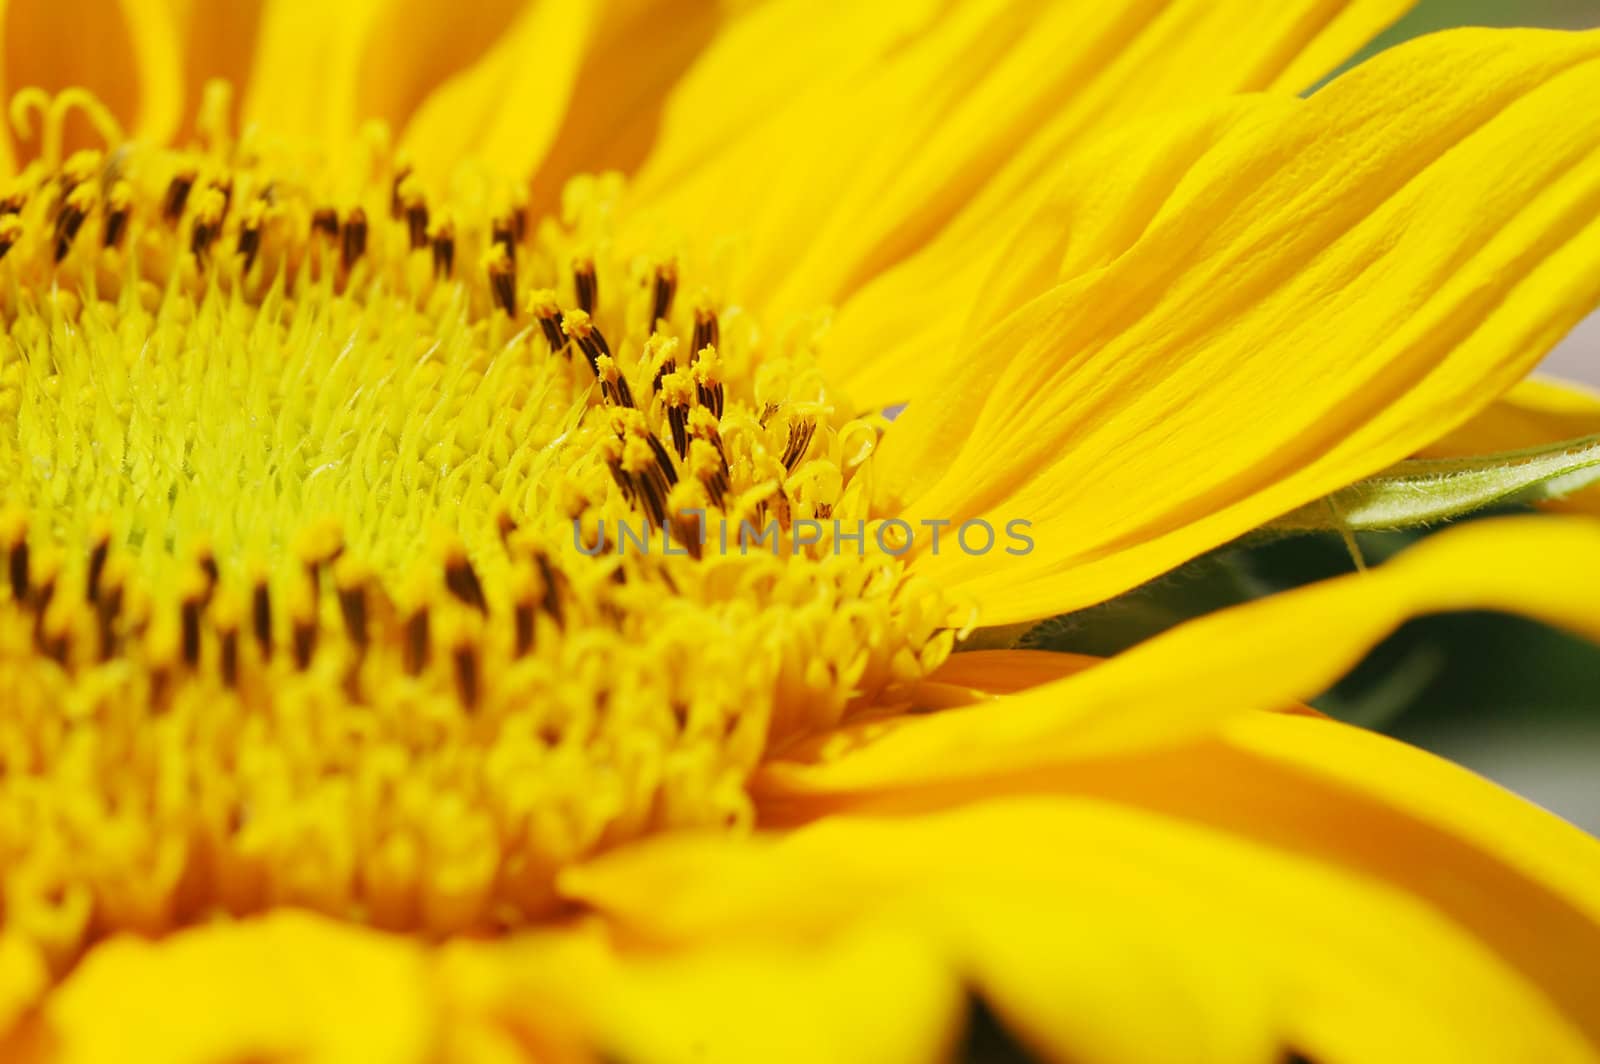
410 521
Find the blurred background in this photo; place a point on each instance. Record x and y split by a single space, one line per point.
1512 699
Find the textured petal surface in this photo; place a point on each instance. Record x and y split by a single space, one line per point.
858 130
1248 308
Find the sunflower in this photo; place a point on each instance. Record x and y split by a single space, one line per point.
460 602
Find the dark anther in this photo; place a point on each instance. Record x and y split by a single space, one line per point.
523 616
177 196
110 608
444 253
225 186
208 566
189 616
98 555
503 284
663 462
503 231
18 571
230 656
552 329
416 641
417 225
707 333
666 285
8 238
325 220
800 434
116 225
623 481
353 607
396 204
462 580
668 365
678 420
466 659
68 222
588 338
614 386
353 238
41 598
653 496
13 203
586 283
709 393
200 239
552 589
305 641
261 617
249 243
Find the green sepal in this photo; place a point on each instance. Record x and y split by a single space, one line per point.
1425 491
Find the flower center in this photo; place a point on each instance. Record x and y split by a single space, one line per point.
351 545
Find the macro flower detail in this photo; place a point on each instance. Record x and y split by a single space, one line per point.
343 365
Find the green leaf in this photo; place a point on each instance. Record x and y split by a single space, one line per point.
1426 491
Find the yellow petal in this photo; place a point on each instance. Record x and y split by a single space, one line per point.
306 68
1295 295
1005 671
287 987
1535 412
1264 655
641 50
506 110
840 137
1201 50
126 52
1109 933
866 993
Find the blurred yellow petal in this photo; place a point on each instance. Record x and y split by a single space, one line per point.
305 70
1263 655
640 52
287 987
858 130
506 110
853 993
999 672
126 52
1298 295
1107 933
1537 411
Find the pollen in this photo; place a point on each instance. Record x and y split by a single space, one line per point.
330 578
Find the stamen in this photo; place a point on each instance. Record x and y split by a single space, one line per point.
79 202
353 238
665 287
261 617
502 279
504 234
119 202
707 333
444 247
178 196
586 283
325 220
548 314
800 434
